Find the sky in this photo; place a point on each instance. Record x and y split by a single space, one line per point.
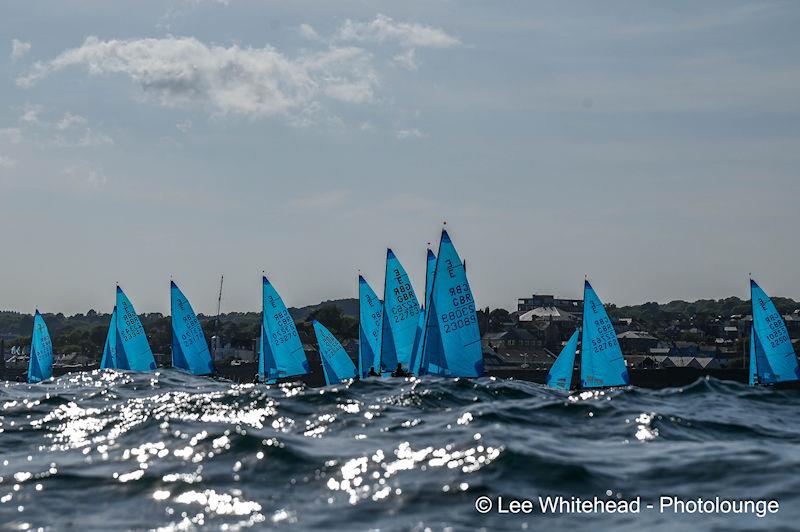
653 146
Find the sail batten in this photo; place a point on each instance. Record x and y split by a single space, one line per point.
189 348
40 364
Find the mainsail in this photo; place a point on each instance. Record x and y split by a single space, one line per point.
109 360
560 375
400 316
40 366
133 349
370 323
452 342
189 348
775 357
282 352
602 363
430 270
336 363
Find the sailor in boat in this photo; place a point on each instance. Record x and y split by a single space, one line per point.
372 372
400 372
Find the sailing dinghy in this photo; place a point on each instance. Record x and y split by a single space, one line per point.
772 357
602 363
400 317
126 343
451 341
336 363
40 365
281 354
189 348
370 324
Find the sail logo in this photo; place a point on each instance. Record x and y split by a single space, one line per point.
450 269
594 307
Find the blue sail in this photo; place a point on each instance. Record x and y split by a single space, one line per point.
602 363
760 370
400 316
267 368
452 343
189 348
370 323
133 349
430 270
772 337
40 366
560 375
109 360
283 342
336 363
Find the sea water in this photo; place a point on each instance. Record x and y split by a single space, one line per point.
118 450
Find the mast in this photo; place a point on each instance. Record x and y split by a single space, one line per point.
216 320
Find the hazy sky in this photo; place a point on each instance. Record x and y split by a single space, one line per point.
653 145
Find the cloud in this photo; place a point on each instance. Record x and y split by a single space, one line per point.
69 120
85 175
308 32
70 130
405 59
412 133
185 126
406 34
262 82
323 200
19 48
6 162
11 135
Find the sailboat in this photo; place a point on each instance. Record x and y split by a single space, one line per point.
430 270
281 353
602 363
189 348
452 341
336 363
370 324
400 316
126 342
772 357
40 365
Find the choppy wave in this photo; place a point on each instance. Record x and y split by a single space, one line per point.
109 450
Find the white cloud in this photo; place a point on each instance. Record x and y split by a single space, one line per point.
412 133
405 59
19 48
308 32
407 34
69 120
70 130
185 126
179 71
6 162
